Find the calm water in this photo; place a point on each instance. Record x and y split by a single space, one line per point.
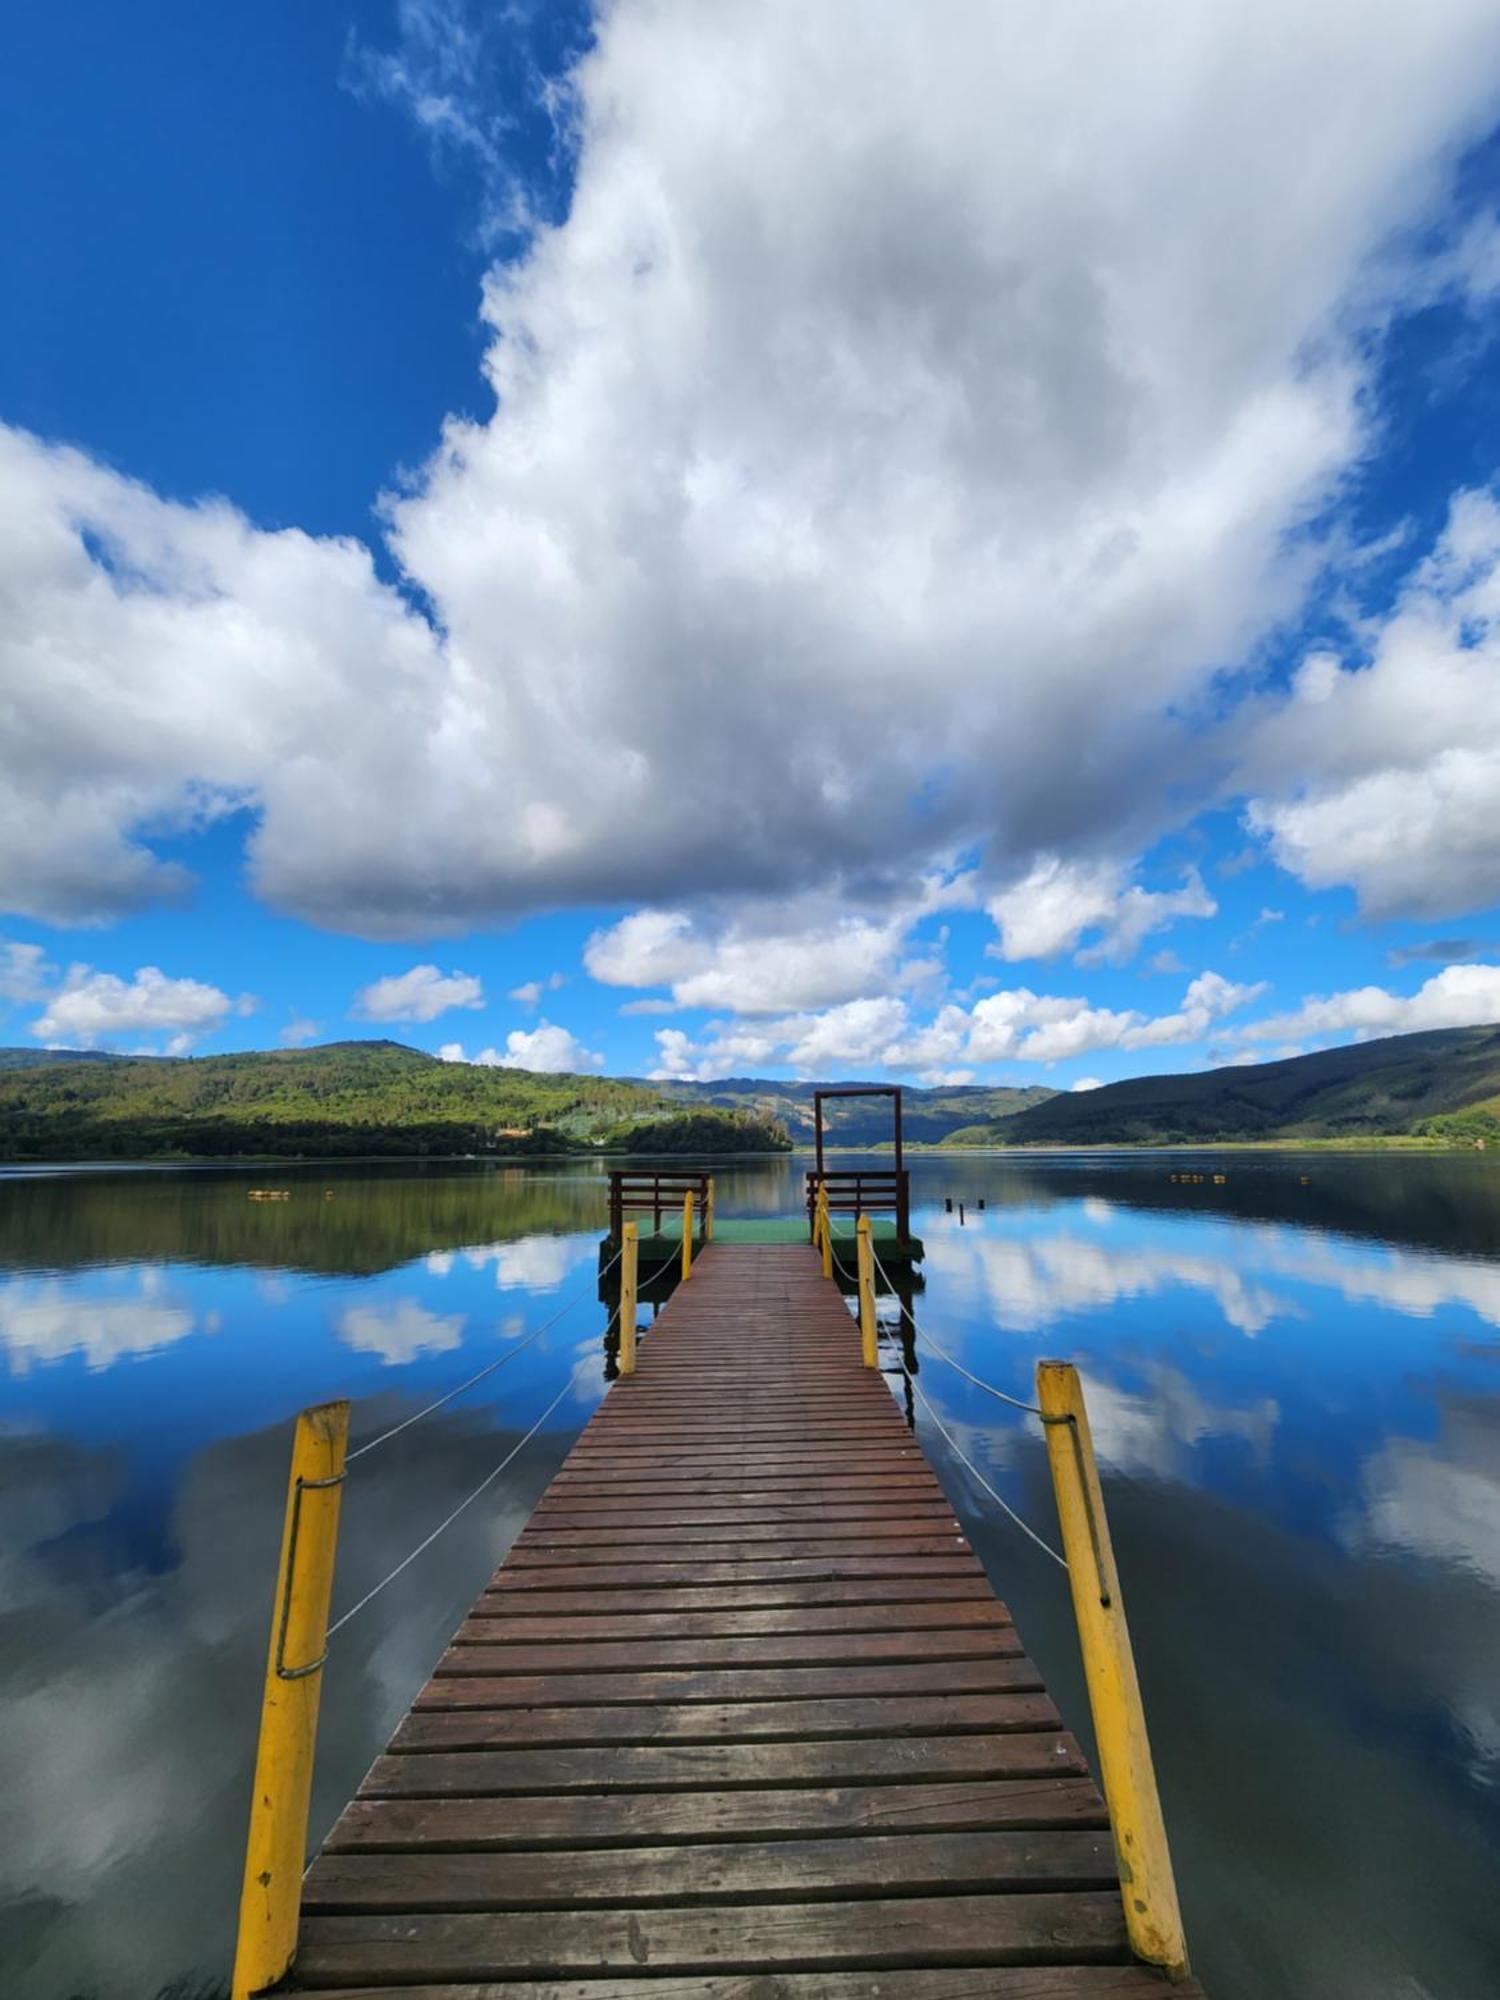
1295 1389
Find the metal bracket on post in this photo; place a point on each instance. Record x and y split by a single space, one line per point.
1153 1920
299 1487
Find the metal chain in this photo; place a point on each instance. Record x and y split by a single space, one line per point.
489 1369
488 1480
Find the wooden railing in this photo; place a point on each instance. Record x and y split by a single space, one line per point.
860 1191
656 1193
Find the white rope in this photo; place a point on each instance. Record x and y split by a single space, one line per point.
488 1480
952 1442
943 1355
964 1459
489 1369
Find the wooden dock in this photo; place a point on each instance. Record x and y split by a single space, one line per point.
739 1716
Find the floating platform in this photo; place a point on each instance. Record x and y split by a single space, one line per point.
739 1717
890 1245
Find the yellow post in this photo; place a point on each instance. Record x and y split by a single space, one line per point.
866 1266
687 1236
271 1897
630 1250
708 1213
822 1231
1152 1918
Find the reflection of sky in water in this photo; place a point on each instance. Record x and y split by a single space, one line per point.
1299 1371
1300 1430
142 1463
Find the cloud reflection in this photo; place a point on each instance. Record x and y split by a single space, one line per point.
47 1322
400 1331
1031 1282
538 1263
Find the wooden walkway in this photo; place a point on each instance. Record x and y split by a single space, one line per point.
739 1717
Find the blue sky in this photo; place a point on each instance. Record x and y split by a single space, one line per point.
710 541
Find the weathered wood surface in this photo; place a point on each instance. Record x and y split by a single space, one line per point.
739 1717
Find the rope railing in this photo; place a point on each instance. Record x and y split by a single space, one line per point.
441 1402
479 1375
989 1388
962 1456
488 1480
932 1346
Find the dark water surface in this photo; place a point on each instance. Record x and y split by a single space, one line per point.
1294 1386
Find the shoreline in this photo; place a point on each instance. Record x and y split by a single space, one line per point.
1394 1142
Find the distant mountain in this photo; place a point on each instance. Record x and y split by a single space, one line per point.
345 1098
383 1098
928 1116
1442 1084
50 1058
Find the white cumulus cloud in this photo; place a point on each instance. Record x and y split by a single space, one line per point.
1058 903
852 466
800 954
543 1047
26 973
91 1009
1384 774
530 992
1015 1025
1460 996
419 995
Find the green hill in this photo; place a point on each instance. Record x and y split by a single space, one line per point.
928 1116
50 1058
1444 1084
345 1098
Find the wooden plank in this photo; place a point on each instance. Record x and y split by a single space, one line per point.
831 1567
1038 1982
475 1650
718 1766
664 1516
913 1931
449 1714
607 1819
810 1548
490 1621
879 1524
878 1865
463 1680
603 1495
907 1587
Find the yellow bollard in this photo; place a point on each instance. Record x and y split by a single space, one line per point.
687 1236
823 1231
708 1213
630 1250
1152 1918
271 1897
865 1248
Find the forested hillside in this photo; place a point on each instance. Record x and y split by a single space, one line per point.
928 1115
346 1098
1444 1084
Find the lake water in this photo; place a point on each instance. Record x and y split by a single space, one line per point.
1294 1381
